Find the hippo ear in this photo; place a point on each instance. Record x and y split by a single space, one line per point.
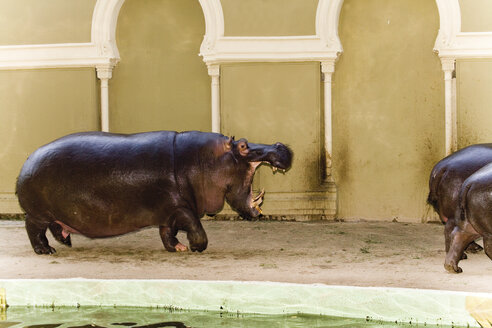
228 144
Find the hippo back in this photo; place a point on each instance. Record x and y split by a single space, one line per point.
448 175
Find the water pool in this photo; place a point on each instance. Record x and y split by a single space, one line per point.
116 317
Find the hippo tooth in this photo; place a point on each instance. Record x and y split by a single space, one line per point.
260 195
256 202
274 169
259 209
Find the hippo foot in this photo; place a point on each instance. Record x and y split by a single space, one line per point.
474 248
65 241
180 248
44 250
197 249
452 268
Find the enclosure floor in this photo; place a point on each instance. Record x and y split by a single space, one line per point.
333 253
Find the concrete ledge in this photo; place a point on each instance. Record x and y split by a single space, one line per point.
420 306
9 204
299 206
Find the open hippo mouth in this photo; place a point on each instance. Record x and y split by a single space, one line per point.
277 156
256 201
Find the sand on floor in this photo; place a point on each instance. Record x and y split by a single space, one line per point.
359 253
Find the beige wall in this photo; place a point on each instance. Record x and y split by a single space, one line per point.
388 115
161 83
45 21
269 17
266 103
476 15
38 106
474 84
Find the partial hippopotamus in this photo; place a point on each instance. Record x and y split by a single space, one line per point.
446 179
475 217
104 184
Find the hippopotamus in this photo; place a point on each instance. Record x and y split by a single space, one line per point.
474 217
105 184
446 179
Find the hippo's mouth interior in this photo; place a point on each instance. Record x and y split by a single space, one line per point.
255 201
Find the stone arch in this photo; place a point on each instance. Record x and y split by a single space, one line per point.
105 18
106 12
329 12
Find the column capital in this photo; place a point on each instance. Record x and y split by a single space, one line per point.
104 71
328 66
448 64
213 70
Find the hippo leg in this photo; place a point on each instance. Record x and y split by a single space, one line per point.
487 244
196 236
448 229
474 248
36 230
460 240
57 232
185 220
168 237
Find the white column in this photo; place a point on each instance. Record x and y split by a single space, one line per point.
327 68
450 119
214 72
104 73
455 114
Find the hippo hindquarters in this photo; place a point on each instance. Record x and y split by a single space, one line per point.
473 217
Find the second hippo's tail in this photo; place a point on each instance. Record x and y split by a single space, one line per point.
434 181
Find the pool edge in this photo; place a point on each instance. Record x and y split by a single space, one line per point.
376 303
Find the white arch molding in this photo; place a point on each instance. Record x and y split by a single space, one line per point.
324 47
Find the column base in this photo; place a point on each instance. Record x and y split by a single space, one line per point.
295 206
9 204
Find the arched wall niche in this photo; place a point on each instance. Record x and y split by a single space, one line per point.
160 72
105 19
374 87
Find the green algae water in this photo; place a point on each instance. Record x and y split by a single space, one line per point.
118 317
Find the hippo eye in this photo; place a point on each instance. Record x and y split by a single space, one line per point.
243 148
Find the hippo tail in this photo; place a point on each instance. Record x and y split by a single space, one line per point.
432 200
434 181
463 201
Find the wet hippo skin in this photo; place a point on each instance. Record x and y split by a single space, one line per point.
474 219
103 184
445 182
